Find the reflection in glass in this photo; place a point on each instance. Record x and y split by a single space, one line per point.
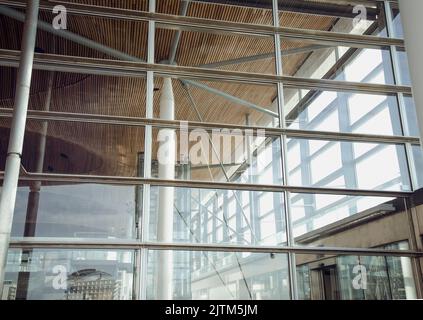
221 102
201 275
87 94
223 50
351 165
220 155
397 24
83 148
4 140
418 164
412 127
75 210
221 216
342 112
258 12
126 37
315 216
307 59
356 277
404 69
340 16
35 274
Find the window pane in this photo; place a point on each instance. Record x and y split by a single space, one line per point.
418 164
4 140
347 221
56 274
75 210
352 277
251 12
11 31
307 59
221 102
222 155
411 116
397 24
340 16
404 69
127 37
202 275
223 50
217 216
342 112
83 148
131 5
349 164
87 94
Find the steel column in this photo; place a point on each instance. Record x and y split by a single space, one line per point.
17 132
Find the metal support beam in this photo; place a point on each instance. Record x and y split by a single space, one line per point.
175 41
230 97
177 22
17 132
132 244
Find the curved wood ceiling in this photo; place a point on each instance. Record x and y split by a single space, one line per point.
118 146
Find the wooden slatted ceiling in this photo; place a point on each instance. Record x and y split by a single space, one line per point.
112 150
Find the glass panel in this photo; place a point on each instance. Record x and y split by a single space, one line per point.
223 50
129 37
4 140
202 275
418 165
11 29
8 78
217 216
222 155
308 59
87 94
404 69
83 148
354 277
352 165
75 210
347 221
411 116
400 273
251 12
397 24
221 102
341 16
342 112
62 274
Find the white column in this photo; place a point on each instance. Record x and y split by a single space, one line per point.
17 132
411 16
166 159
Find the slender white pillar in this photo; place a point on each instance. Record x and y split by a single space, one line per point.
411 16
17 132
166 160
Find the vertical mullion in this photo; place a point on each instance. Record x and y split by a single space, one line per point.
148 142
400 96
284 149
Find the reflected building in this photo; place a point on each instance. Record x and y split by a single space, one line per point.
277 158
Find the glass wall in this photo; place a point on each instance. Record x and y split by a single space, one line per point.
206 275
356 277
36 274
191 141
